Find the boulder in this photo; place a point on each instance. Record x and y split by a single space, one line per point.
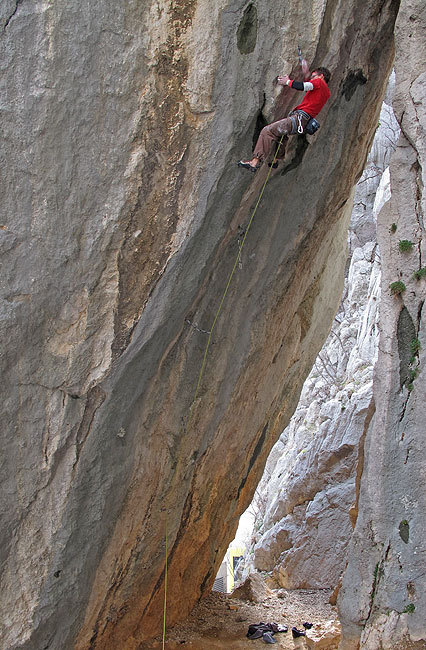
325 636
253 589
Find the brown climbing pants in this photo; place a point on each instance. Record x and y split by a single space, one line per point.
273 132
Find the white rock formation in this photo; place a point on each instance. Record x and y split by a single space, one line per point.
382 601
324 637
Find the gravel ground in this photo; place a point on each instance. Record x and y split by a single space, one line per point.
220 621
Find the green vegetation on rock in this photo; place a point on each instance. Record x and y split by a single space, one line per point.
405 245
397 287
421 273
409 609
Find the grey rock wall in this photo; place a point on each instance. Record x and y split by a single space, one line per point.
382 602
121 125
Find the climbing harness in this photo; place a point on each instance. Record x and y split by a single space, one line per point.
296 123
312 126
203 364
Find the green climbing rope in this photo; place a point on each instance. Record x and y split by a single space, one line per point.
231 275
165 585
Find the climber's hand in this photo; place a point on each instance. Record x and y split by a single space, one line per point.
283 79
305 68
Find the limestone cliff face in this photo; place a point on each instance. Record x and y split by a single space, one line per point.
121 125
382 602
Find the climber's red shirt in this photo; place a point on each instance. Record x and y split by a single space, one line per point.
315 98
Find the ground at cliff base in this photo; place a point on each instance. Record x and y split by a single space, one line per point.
220 621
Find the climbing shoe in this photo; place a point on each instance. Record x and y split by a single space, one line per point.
296 633
268 638
282 628
307 626
247 165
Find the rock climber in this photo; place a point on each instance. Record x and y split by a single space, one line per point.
317 94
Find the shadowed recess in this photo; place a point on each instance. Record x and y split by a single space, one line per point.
247 30
353 79
406 332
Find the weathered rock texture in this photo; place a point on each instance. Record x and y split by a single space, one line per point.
308 488
382 602
121 124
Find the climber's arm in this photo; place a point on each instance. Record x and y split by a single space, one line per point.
305 69
300 85
297 85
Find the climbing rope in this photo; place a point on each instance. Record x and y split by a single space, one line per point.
231 275
203 365
165 586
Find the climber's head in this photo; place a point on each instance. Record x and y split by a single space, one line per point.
322 72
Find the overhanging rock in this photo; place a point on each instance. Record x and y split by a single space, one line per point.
119 229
